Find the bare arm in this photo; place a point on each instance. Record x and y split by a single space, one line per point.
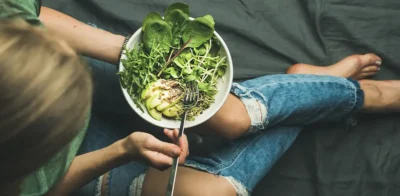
141 147
87 40
87 167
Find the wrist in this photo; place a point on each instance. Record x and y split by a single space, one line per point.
122 151
122 46
119 42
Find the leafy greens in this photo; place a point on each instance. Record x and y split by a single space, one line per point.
174 48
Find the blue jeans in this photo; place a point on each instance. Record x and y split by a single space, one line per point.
278 105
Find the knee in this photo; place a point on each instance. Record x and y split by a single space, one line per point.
232 120
235 126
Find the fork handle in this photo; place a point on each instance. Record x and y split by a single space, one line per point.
174 169
182 127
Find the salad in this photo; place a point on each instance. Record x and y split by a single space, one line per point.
174 51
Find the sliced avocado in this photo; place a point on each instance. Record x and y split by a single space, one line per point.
155 114
171 112
167 104
163 106
148 91
154 100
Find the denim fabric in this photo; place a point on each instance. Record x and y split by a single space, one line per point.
281 100
278 105
245 162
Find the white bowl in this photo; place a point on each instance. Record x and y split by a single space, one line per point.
223 86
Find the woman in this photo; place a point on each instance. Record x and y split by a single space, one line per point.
45 110
253 113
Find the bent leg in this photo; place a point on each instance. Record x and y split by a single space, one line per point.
380 96
285 100
298 97
234 169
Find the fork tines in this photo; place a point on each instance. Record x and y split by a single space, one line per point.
192 94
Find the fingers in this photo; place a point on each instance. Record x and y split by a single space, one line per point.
176 133
158 160
183 143
168 149
158 153
172 134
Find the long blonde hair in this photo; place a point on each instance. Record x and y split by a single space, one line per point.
45 94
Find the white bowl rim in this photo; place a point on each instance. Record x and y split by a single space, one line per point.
208 115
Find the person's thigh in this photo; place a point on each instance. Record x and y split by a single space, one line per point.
296 100
241 164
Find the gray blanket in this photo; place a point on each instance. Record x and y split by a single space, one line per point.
266 37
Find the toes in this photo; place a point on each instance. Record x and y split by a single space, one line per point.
370 59
366 75
363 60
371 68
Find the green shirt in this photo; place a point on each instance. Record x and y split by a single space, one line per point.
42 180
26 9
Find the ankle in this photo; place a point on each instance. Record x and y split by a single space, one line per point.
381 96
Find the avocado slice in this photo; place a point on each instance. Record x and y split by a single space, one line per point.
171 112
148 91
155 114
168 103
154 100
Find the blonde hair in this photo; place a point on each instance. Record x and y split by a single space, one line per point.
45 95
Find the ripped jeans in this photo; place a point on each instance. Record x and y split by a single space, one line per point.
278 105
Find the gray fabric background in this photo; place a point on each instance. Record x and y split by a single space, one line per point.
266 37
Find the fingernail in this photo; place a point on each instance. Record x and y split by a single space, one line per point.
379 68
378 62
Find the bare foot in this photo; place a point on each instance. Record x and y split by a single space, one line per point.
354 66
381 96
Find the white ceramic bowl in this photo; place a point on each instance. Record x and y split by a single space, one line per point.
223 86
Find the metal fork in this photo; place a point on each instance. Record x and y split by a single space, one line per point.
190 99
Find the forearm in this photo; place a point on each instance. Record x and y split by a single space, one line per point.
87 40
87 167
